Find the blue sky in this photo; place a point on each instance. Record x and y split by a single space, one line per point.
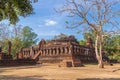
46 22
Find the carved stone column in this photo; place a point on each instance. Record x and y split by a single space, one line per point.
57 51
66 50
27 53
51 51
70 49
74 49
31 52
77 50
61 50
43 51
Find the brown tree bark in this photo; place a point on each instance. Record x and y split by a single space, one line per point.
99 52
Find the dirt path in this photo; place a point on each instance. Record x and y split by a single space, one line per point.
53 72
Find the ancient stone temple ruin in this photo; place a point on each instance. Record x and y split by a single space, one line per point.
6 59
65 51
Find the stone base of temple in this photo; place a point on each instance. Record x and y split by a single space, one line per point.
63 60
18 62
50 59
7 60
53 58
5 57
77 63
70 62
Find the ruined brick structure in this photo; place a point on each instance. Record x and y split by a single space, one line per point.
6 58
65 51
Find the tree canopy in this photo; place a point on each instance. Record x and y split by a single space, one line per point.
28 37
12 9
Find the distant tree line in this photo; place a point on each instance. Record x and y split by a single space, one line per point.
20 37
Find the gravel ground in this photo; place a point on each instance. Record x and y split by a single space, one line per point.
53 72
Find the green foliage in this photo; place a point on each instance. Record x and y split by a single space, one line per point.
29 37
82 42
89 34
20 38
115 56
17 44
4 45
113 44
12 9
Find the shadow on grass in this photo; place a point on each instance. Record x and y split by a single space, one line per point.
4 77
99 79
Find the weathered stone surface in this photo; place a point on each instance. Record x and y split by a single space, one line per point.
65 51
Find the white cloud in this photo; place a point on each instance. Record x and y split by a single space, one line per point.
50 22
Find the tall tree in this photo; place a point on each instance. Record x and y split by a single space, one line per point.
22 38
12 9
98 15
28 36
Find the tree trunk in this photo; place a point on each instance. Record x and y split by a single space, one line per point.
101 64
96 47
99 53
